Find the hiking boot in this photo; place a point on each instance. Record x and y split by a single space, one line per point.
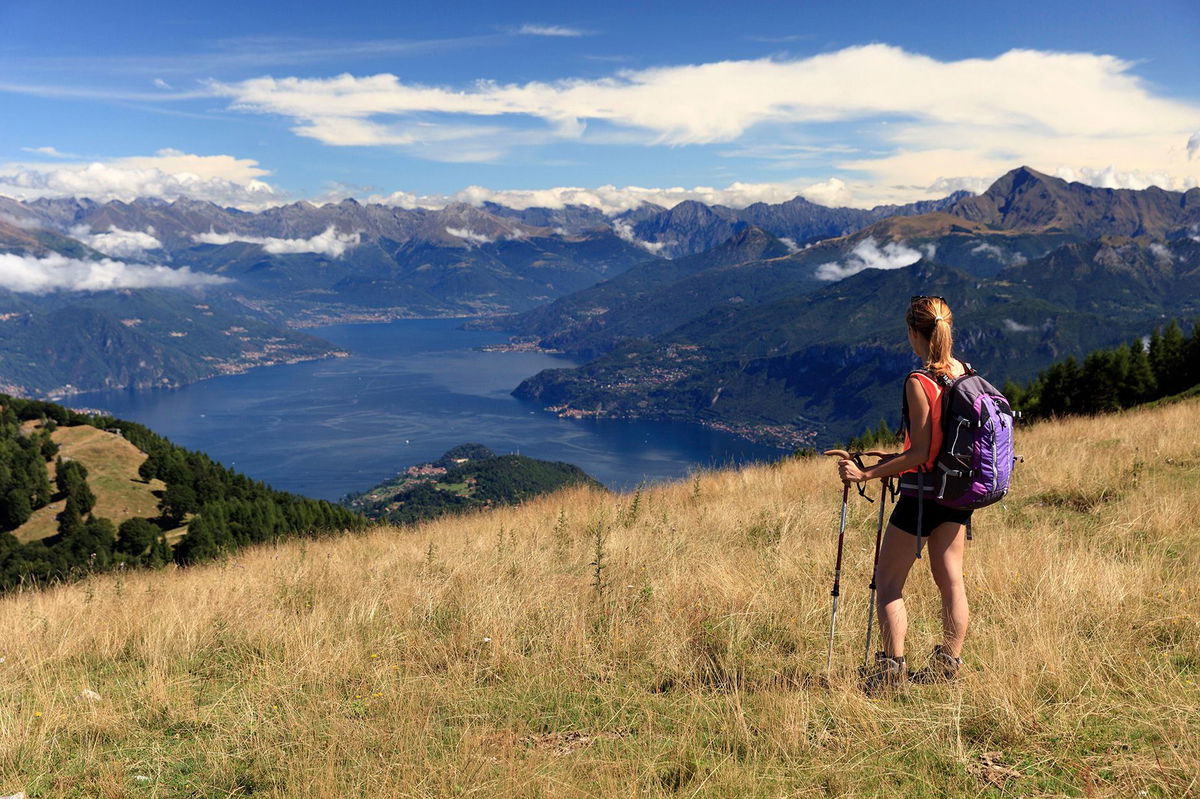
942 667
888 674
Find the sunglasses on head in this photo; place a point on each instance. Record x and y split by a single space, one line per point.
925 297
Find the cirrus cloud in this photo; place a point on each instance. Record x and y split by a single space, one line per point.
532 29
32 275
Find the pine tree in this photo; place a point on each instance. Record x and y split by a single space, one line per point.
1191 357
197 544
136 535
177 501
159 553
70 519
1104 374
1169 370
1139 382
15 510
96 542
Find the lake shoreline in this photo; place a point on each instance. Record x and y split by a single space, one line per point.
408 391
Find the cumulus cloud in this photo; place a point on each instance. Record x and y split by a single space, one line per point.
30 275
968 120
869 255
116 242
790 244
832 193
469 236
1003 256
168 174
330 242
530 29
1112 178
1013 326
945 186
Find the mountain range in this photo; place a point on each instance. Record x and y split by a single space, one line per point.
598 286
1036 268
303 265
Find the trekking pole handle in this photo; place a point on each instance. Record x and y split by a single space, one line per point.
857 457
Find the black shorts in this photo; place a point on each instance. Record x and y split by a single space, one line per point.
904 516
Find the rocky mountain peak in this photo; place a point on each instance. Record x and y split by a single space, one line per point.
1025 199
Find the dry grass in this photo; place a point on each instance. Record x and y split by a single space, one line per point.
476 656
112 464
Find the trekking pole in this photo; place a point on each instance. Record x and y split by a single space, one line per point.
841 454
837 577
884 486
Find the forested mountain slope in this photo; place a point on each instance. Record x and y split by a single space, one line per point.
221 510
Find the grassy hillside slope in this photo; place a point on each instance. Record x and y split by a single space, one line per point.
475 655
112 464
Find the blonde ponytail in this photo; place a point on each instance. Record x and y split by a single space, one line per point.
931 318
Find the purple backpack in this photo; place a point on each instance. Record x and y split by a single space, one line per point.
976 460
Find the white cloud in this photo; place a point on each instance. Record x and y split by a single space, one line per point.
530 29
943 186
169 174
918 121
609 199
330 242
1111 178
1193 145
1016 327
30 275
116 242
48 151
469 236
992 251
832 193
869 255
625 231
1161 252
790 244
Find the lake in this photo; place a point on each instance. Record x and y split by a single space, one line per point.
410 390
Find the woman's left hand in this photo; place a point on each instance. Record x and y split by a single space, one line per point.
850 473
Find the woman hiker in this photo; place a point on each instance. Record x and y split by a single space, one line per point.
929 332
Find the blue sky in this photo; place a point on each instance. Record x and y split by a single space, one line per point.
847 103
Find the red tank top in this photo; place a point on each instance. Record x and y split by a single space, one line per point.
933 393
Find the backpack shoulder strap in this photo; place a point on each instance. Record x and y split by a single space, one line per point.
925 373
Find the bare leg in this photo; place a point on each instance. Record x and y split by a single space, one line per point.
896 556
946 547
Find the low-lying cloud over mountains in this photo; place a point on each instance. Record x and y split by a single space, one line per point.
40 275
868 254
329 242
